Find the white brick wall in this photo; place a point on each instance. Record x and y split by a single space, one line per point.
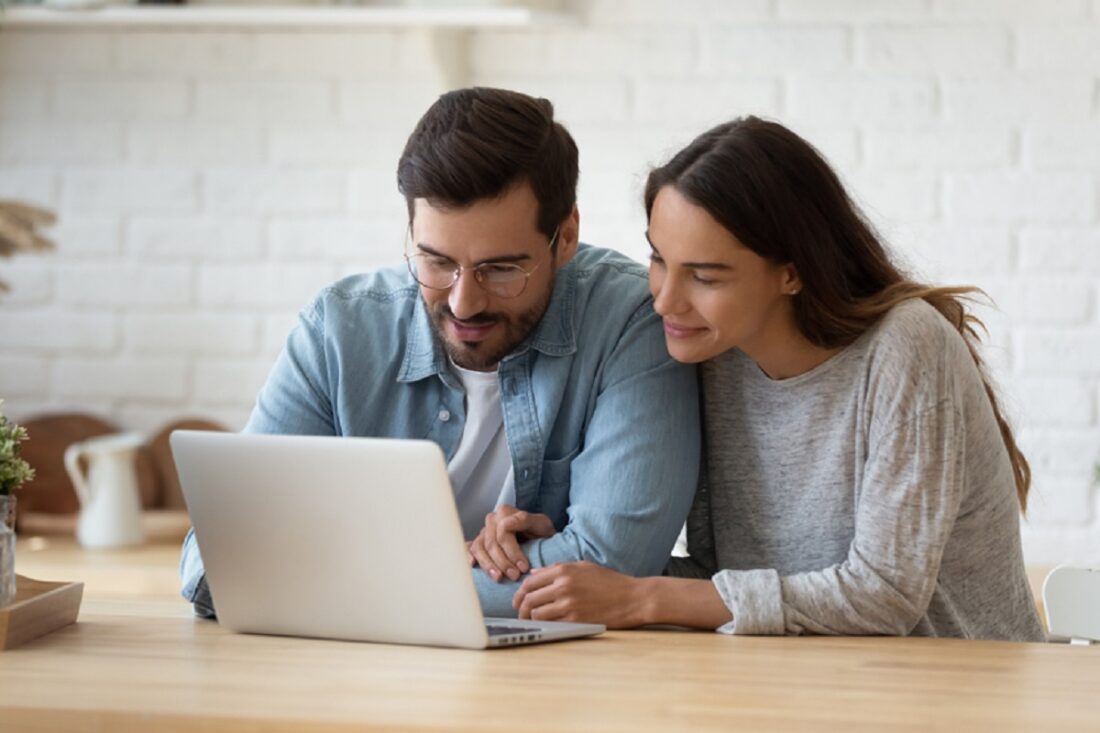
210 182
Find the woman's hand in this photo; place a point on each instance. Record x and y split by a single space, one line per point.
584 592
496 548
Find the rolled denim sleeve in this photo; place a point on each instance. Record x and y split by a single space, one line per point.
193 576
632 484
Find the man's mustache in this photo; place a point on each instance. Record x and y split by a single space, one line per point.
481 319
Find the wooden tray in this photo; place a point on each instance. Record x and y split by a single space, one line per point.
39 608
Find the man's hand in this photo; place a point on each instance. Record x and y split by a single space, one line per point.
496 548
582 592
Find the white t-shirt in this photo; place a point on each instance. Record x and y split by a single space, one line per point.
481 469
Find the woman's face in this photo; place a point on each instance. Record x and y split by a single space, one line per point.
713 292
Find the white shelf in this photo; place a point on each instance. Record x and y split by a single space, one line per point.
287 17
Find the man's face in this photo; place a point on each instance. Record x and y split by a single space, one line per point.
477 327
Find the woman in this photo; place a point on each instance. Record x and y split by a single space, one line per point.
859 476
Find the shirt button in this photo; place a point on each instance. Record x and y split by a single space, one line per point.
525 472
444 415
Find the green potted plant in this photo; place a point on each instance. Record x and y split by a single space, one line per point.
14 472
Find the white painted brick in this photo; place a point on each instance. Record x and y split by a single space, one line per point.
182 54
195 145
264 286
263 100
374 191
112 99
1069 251
59 143
80 237
661 13
628 149
34 185
706 101
936 148
932 49
1060 451
774 49
1074 50
191 333
233 418
889 100
23 377
102 190
381 100
126 285
195 239
352 54
1010 100
1062 147
1055 401
886 195
29 282
998 11
41 53
44 330
280 192
946 253
661 51
1050 546
321 239
330 144
509 51
837 142
1059 300
22 99
1060 351
1014 196
276 328
150 380
575 100
852 11
1059 502
233 382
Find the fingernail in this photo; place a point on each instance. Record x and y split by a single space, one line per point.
524 567
513 574
494 575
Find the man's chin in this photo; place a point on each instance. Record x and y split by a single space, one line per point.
478 355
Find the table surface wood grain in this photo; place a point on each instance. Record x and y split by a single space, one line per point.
140 661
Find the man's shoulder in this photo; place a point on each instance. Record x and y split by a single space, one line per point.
365 295
610 283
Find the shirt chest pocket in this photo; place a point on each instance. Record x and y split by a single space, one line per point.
554 488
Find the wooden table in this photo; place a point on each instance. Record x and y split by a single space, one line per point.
143 663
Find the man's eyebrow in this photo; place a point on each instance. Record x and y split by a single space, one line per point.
502 260
721 266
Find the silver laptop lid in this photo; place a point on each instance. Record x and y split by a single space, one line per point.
310 536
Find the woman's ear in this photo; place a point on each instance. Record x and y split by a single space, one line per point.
790 283
568 238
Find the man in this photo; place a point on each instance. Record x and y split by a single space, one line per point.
536 363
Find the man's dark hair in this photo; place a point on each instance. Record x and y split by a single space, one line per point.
478 143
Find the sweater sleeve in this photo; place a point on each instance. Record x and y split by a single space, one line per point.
907 503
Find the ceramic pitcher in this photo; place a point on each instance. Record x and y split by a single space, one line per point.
110 504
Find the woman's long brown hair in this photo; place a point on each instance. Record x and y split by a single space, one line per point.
780 198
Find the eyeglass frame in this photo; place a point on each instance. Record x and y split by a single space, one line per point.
476 269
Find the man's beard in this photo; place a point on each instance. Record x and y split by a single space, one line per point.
485 355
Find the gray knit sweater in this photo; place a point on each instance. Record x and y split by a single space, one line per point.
871 495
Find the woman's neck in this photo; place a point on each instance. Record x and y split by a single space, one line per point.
782 353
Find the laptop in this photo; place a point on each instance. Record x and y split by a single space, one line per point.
338 538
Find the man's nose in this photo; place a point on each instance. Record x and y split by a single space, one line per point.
467 298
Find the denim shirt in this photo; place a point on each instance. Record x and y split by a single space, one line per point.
602 425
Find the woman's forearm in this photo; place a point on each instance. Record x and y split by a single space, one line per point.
683 602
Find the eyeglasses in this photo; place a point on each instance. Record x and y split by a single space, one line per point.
502 279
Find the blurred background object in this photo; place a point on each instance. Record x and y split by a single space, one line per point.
19 225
